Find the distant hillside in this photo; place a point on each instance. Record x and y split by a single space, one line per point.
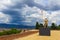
16 26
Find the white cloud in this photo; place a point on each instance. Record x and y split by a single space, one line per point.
5 18
30 13
41 2
17 1
55 16
5 4
33 13
49 4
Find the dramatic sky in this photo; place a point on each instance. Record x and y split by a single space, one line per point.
28 12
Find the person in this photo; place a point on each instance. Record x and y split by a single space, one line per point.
45 23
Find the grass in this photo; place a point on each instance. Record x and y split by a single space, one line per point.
9 32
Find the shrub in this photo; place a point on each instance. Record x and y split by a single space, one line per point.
53 26
12 31
1 33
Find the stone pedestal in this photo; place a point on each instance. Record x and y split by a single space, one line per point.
44 31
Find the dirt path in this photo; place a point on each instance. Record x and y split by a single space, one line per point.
55 35
14 36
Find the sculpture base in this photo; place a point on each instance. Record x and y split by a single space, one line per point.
44 31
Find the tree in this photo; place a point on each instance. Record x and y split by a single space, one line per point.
58 27
53 26
41 25
37 25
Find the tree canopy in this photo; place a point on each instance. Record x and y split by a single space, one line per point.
53 26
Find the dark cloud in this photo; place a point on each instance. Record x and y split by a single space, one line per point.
31 3
52 7
16 17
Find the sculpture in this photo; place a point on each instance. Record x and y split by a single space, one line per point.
45 23
45 20
44 31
